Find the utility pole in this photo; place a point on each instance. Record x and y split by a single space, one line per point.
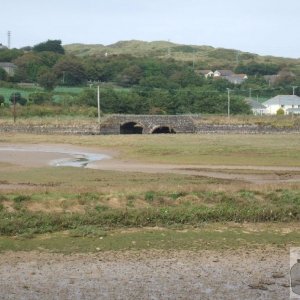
63 79
98 104
294 87
8 39
193 59
237 58
228 101
14 109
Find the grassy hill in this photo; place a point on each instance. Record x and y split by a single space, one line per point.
203 56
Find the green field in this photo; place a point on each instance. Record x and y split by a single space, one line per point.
6 92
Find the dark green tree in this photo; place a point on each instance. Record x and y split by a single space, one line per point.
70 71
17 98
47 80
8 55
40 98
3 74
2 100
28 67
51 46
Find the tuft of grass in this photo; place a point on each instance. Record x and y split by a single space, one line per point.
21 198
87 231
149 196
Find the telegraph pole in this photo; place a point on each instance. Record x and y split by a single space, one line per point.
294 87
98 104
14 108
228 101
8 39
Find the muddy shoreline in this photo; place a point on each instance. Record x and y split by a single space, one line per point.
152 274
68 155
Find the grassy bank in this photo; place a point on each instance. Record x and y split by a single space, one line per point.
55 209
216 237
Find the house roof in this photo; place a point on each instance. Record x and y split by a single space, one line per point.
283 100
2 46
236 78
254 104
225 72
204 72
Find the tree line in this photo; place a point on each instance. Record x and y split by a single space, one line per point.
147 85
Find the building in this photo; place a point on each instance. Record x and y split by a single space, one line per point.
290 104
257 108
2 47
236 78
205 73
9 68
223 73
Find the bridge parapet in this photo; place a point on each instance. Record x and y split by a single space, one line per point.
148 124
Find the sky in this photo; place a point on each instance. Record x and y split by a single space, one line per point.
265 27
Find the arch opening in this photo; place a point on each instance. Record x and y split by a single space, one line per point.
163 129
131 128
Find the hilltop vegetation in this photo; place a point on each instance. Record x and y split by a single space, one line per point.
205 57
144 78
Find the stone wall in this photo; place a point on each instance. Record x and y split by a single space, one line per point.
51 129
240 129
147 123
179 124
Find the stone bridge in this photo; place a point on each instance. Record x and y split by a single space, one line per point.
148 124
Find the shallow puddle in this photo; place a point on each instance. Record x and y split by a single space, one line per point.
50 155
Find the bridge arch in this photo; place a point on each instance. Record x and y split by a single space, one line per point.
131 127
162 129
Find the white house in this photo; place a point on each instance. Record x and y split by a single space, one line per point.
289 103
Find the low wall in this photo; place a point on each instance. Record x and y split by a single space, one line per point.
243 129
50 129
112 125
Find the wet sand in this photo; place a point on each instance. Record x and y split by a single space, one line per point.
69 155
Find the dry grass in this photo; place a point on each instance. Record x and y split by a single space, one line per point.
274 121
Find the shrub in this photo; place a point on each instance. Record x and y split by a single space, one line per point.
17 97
21 198
39 98
280 112
2 100
149 196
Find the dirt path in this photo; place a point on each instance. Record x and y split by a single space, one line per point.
259 274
